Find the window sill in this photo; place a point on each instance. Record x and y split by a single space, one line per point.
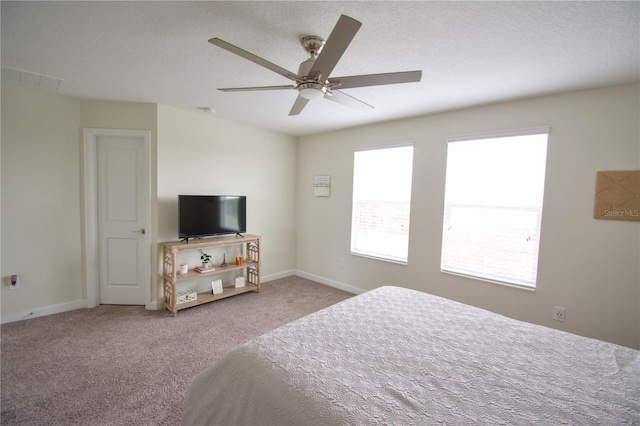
384 259
487 280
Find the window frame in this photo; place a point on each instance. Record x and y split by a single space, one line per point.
372 254
512 281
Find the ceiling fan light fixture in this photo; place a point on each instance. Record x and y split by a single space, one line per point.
312 91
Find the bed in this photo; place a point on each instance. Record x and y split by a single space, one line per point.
396 356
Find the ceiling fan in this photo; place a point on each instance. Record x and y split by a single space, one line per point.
313 79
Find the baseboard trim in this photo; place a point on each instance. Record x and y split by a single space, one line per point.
154 305
157 305
330 283
277 276
44 311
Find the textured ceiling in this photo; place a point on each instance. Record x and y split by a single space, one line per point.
470 53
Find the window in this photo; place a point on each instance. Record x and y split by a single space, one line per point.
381 202
493 206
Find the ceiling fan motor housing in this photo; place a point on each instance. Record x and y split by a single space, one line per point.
310 88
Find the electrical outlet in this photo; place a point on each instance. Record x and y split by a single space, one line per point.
558 313
14 282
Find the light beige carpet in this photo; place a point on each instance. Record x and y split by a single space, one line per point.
124 365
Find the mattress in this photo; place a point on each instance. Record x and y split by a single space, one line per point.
399 356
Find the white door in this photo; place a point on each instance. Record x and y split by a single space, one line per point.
124 251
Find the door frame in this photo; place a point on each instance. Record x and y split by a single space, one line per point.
90 180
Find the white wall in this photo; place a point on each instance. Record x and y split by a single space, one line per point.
201 154
591 267
40 202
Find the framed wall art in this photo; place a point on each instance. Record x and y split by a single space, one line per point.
617 195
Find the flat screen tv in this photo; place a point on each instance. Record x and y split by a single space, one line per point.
208 215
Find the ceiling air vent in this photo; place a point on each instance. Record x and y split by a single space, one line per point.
31 78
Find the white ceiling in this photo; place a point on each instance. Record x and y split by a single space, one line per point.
470 53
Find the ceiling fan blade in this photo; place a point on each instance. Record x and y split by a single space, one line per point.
249 89
347 100
255 59
377 79
336 44
298 105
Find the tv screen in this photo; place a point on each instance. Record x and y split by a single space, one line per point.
207 215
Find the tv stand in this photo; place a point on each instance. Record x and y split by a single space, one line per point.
239 235
250 267
186 239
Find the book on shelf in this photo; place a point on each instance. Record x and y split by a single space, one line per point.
203 270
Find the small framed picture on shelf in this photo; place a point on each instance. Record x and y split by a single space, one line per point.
216 286
240 281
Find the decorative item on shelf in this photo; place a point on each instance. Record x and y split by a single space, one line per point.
186 296
184 268
216 286
206 270
239 259
224 261
240 281
206 260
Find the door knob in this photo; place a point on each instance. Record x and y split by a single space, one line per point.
142 231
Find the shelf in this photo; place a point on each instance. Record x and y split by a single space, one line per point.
250 249
206 297
226 240
218 270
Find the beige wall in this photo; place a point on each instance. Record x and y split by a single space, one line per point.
201 154
591 267
191 153
40 202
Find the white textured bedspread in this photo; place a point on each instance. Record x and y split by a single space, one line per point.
395 356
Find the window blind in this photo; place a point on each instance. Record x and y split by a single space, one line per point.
381 202
493 205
